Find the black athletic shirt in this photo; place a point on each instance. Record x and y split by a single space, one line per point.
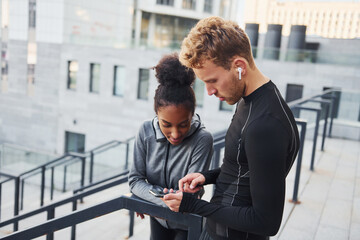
260 147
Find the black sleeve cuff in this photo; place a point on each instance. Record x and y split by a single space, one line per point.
211 176
187 202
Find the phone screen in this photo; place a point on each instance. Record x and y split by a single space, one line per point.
157 193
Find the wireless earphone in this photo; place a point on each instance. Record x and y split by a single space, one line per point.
239 70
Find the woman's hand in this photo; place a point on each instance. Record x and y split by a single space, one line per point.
173 200
191 183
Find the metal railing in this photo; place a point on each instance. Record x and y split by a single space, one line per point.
192 221
50 209
64 161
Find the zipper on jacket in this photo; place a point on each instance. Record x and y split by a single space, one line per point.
165 164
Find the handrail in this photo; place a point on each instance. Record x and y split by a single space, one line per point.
306 99
194 222
67 159
99 182
7 175
73 198
74 154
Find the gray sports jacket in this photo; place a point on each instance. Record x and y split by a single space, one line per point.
157 162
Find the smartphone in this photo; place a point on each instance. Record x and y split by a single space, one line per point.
157 192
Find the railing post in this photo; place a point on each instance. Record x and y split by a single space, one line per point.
22 194
299 161
131 225
50 215
325 126
83 159
91 167
16 201
315 140
73 227
326 104
127 156
334 98
64 180
0 199
52 184
316 132
42 186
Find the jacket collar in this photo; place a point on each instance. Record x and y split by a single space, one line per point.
195 126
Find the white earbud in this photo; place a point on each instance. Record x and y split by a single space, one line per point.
239 70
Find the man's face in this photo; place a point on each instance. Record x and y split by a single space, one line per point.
222 83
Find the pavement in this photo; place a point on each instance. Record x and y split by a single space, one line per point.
329 205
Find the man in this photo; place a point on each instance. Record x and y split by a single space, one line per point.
260 145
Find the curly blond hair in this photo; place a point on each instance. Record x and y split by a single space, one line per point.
217 40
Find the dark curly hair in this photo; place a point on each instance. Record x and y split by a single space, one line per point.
175 82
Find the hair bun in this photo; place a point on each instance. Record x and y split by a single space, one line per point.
171 73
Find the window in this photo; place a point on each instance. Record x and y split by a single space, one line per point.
165 2
32 13
143 87
74 142
225 107
119 79
208 5
199 92
189 4
94 77
73 68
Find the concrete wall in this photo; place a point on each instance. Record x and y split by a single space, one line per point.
40 121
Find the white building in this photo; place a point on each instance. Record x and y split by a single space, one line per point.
76 74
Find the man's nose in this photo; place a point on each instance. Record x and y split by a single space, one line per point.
211 91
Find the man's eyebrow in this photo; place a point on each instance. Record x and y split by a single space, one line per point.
210 80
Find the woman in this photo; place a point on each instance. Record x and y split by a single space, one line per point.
172 145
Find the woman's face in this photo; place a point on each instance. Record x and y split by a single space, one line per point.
174 122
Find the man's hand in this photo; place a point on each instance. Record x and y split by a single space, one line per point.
191 183
173 200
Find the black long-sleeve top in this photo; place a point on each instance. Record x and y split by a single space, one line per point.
260 147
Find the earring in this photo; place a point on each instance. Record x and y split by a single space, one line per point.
239 70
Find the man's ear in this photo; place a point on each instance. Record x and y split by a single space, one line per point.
240 62
240 65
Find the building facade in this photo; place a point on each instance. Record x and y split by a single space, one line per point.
78 74
326 19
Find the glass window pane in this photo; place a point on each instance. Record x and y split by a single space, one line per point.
94 77
119 79
199 92
208 6
143 87
74 142
189 4
73 68
165 2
